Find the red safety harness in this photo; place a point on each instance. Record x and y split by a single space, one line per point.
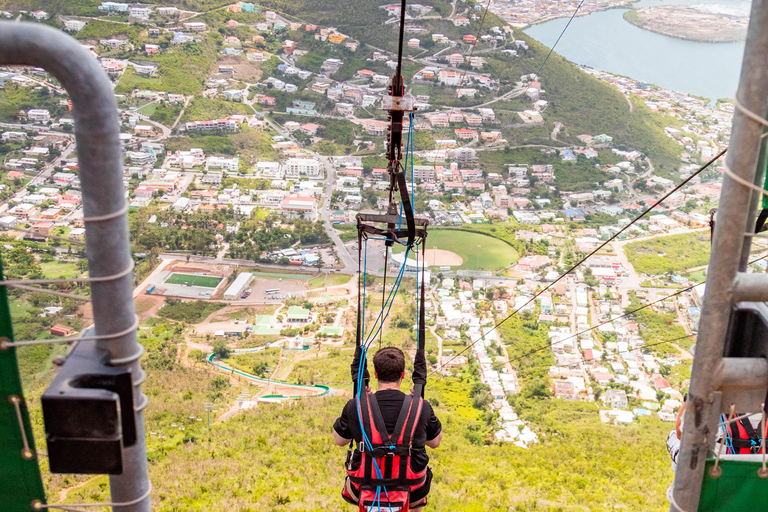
392 455
745 440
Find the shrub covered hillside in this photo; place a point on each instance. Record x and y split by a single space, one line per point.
283 458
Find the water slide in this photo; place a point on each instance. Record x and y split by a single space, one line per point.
316 390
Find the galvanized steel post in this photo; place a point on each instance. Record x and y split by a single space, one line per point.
732 217
97 132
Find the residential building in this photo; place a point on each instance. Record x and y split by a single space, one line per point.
616 398
195 26
39 115
448 77
224 163
140 12
17 136
74 25
294 167
113 7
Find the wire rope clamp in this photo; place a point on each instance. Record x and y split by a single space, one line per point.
88 413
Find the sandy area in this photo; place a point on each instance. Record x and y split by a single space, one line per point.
690 22
440 258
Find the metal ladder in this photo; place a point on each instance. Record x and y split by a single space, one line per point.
730 366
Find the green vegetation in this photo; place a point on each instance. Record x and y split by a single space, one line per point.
96 30
14 98
205 109
56 269
671 254
580 462
632 17
330 369
181 70
148 109
191 280
657 327
191 312
325 280
215 144
492 255
166 113
261 364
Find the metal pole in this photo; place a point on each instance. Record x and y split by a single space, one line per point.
703 398
97 131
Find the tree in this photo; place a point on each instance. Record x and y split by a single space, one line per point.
260 369
220 348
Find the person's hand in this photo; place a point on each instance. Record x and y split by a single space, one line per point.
411 392
368 389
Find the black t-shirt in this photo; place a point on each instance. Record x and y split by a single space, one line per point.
390 403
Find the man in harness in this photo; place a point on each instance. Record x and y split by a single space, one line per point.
399 427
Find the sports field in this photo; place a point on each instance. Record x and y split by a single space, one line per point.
191 280
493 254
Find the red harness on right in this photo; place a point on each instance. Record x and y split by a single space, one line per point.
745 440
392 456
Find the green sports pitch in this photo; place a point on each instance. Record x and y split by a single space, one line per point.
190 280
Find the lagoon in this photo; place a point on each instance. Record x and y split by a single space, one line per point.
605 41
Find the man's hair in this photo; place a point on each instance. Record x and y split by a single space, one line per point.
389 364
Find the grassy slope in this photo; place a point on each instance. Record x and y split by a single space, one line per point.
494 253
669 253
269 457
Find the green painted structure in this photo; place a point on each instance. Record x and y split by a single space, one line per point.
20 481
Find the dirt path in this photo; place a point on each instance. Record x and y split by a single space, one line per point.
63 493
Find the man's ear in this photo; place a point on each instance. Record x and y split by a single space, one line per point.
376 375
402 375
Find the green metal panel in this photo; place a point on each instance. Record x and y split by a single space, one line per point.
20 481
738 488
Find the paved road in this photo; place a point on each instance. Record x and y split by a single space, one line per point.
347 262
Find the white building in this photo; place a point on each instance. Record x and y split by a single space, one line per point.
141 12
181 204
38 114
74 25
220 162
20 136
237 288
294 167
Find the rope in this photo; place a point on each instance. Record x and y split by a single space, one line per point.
762 472
51 237
51 292
108 216
716 471
744 110
98 279
599 248
27 452
742 181
96 337
38 505
609 321
671 499
558 38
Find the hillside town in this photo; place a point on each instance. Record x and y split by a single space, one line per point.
286 162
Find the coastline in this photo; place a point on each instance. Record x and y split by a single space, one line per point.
623 4
632 17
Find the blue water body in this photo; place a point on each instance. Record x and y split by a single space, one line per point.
605 41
